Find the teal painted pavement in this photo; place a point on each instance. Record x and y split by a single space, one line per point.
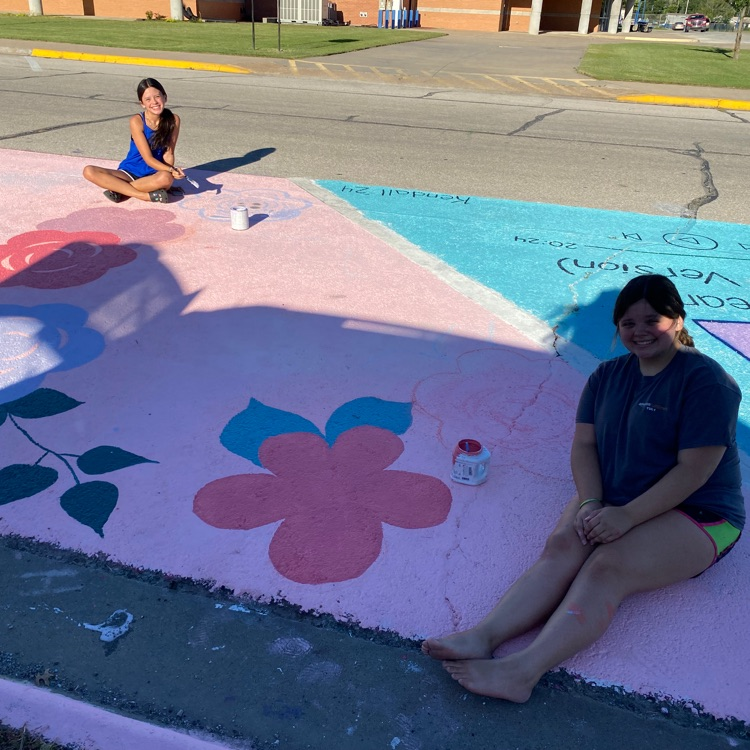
566 264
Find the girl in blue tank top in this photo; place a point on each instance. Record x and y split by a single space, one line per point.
149 169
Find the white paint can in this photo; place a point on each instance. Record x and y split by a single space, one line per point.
471 462
240 218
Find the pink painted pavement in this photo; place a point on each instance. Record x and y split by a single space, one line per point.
274 410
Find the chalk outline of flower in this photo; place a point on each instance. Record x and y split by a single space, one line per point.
257 200
345 473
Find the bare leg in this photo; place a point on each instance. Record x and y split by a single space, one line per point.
665 550
529 601
113 179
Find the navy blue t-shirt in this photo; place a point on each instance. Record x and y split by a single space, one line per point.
642 421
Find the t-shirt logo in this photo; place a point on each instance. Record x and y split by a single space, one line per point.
648 406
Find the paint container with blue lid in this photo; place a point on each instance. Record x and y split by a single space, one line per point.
471 462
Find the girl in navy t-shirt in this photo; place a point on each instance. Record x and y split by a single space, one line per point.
659 500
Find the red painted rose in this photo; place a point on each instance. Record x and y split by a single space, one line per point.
56 260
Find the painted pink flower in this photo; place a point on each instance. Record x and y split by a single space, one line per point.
331 501
52 259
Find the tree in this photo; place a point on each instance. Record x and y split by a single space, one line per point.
740 7
716 9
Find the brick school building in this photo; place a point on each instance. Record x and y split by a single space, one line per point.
525 16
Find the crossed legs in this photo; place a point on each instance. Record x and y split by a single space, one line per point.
574 590
119 182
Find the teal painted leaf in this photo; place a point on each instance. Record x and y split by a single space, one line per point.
375 412
91 503
105 458
246 431
24 480
43 402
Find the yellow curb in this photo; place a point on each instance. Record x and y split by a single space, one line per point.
149 61
685 101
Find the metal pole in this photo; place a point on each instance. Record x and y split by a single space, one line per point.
252 19
278 21
35 8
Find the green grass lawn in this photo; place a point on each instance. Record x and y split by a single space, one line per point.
652 62
20 739
297 40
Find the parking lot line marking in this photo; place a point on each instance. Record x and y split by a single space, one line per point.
593 89
465 79
325 69
351 69
380 74
497 80
525 82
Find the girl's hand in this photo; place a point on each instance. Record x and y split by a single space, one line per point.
582 516
607 524
177 173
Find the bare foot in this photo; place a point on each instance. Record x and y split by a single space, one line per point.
468 644
496 678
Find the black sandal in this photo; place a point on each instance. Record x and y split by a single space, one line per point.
159 196
115 197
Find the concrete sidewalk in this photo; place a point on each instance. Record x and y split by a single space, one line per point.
504 63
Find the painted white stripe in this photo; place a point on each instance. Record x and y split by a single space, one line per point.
33 64
534 329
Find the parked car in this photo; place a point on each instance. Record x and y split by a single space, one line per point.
643 24
678 26
696 22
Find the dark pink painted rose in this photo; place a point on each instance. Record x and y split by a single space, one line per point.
52 259
332 501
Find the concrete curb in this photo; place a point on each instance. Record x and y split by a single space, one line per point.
68 721
685 101
149 61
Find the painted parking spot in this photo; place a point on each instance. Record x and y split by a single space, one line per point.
566 264
275 410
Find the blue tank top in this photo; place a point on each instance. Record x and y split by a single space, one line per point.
133 163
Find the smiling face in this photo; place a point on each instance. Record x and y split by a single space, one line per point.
652 337
153 101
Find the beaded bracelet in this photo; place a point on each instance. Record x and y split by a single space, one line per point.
586 502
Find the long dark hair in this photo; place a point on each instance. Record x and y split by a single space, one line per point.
162 137
660 293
